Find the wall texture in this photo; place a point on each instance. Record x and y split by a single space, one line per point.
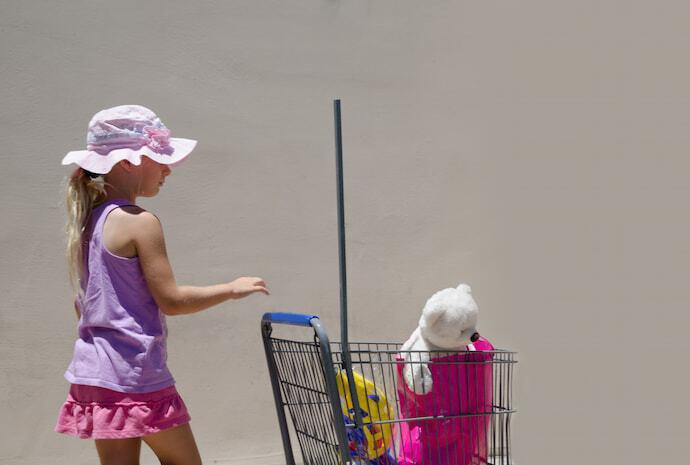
537 150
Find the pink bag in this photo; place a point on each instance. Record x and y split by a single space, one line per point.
462 386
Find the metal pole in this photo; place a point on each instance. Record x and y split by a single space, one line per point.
347 361
341 222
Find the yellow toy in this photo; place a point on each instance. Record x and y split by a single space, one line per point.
375 408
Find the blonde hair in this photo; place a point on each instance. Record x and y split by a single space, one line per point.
85 191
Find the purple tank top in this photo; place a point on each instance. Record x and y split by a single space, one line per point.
122 332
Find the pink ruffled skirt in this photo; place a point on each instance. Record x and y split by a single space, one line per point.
99 413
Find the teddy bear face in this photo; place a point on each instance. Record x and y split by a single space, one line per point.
449 318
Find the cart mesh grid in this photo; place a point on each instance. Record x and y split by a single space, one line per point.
300 372
299 369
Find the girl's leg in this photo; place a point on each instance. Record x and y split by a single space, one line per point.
174 446
119 451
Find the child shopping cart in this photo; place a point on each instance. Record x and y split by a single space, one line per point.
349 405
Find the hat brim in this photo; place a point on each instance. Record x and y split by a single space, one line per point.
101 164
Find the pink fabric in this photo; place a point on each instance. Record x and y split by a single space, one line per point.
460 388
157 139
99 413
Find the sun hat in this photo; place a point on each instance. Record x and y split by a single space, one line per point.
127 132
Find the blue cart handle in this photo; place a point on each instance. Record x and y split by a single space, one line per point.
295 319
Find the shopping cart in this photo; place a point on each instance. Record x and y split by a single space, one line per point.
349 404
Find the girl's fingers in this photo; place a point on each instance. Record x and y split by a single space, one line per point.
249 286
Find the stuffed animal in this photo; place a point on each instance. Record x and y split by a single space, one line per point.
444 385
448 322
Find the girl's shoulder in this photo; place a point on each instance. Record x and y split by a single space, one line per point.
133 216
116 209
128 227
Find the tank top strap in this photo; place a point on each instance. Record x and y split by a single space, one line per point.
116 203
105 209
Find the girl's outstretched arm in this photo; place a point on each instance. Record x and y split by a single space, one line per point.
148 240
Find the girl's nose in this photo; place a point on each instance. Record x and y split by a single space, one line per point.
166 170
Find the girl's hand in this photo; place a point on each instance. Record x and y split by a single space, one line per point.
242 287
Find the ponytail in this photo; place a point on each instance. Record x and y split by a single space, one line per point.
85 191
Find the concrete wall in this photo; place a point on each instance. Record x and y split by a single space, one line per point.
537 150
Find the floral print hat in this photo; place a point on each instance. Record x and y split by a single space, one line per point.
127 132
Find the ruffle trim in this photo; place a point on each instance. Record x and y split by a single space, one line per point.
118 420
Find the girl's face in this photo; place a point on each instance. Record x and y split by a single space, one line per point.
152 177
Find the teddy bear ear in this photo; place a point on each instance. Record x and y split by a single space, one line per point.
465 288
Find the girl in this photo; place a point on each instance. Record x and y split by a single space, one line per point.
122 392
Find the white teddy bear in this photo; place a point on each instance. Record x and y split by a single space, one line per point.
448 322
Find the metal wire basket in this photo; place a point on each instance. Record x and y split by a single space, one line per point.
349 404
309 380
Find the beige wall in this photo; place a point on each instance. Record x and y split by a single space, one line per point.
537 150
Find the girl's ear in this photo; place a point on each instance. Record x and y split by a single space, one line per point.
126 165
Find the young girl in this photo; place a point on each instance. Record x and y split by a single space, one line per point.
122 392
